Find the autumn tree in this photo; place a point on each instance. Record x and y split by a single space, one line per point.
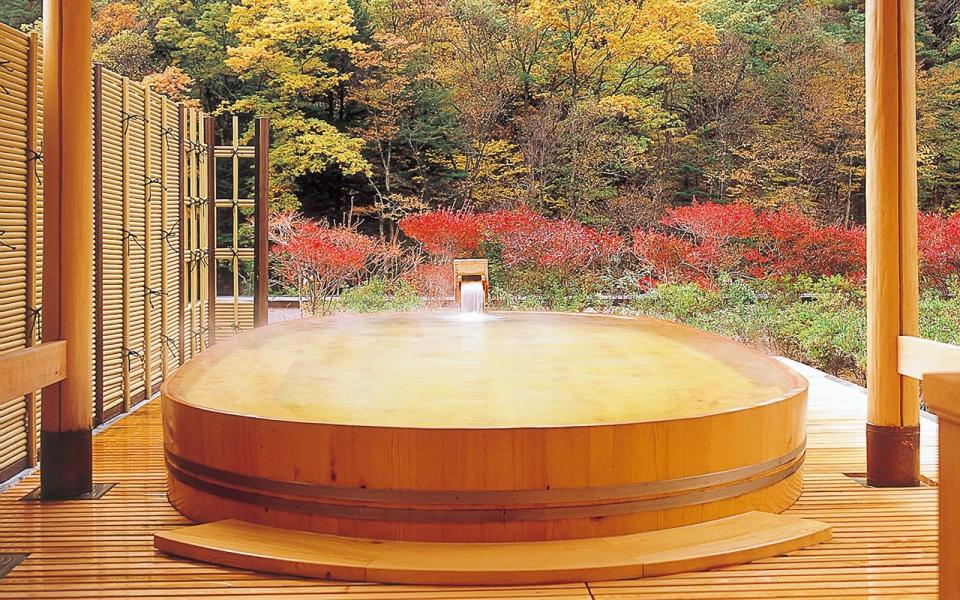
775 111
122 42
287 50
386 77
939 136
173 83
606 47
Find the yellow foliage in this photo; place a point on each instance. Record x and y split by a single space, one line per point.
494 170
115 18
173 83
295 50
292 42
608 46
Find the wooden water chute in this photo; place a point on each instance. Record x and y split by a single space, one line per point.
470 270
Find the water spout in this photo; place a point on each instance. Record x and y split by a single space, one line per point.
471 284
471 297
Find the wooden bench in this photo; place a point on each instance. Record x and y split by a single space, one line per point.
732 540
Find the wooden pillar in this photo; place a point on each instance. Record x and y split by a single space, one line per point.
67 415
893 416
261 216
165 239
126 267
235 216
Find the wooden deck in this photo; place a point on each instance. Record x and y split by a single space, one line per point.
885 541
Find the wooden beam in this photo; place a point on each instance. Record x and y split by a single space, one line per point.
891 152
919 357
67 413
31 369
261 258
942 393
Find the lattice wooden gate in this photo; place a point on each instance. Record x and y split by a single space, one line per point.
238 188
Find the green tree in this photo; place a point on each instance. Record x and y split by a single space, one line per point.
18 13
195 36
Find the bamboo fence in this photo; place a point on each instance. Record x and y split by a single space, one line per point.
155 280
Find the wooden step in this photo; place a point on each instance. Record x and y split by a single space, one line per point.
733 540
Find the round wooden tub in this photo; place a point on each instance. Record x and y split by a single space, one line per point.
519 426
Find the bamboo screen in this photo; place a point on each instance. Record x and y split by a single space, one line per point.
195 242
17 284
151 268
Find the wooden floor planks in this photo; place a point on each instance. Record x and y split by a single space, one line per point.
885 541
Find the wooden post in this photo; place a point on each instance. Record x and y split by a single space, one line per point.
148 201
234 217
261 277
165 240
181 231
126 233
193 222
209 128
98 330
33 156
67 415
893 416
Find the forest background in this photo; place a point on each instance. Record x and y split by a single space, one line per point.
688 156
603 111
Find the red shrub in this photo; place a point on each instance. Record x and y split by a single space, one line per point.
317 259
445 233
671 258
939 245
324 252
709 220
705 239
432 280
530 239
792 243
526 238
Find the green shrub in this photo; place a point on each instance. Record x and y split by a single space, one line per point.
380 295
818 322
678 302
940 318
513 288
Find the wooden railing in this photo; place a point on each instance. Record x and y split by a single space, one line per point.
30 369
937 365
